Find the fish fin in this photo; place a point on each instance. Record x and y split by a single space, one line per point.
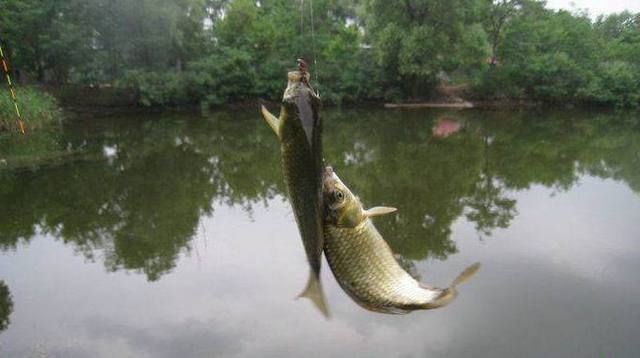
379 210
314 292
447 295
391 310
466 274
426 286
271 120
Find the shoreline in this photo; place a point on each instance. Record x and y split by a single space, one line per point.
99 102
502 104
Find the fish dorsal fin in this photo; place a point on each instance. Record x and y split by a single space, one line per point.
271 120
378 211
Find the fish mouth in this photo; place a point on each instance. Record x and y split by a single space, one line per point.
297 76
329 179
328 171
298 83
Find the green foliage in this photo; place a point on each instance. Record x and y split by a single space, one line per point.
153 88
546 56
134 223
137 224
554 76
222 77
558 56
38 109
183 52
495 83
618 78
415 41
617 84
349 72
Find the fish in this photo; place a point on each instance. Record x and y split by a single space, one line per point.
299 131
364 264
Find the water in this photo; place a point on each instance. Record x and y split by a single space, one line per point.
169 235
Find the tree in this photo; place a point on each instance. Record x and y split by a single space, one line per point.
499 14
417 40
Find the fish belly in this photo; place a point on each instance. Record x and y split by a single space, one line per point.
365 268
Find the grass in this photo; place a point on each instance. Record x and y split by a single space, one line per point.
41 115
38 109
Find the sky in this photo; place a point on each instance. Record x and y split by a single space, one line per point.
596 7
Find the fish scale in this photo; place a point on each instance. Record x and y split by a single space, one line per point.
303 180
299 131
362 261
379 280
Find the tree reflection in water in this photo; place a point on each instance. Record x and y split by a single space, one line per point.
135 193
6 306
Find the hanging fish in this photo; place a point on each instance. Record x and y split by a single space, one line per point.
299 130
363 263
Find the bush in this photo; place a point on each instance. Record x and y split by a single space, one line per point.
153 88
37 108
224 76
548 77
495 83
554 76
617 83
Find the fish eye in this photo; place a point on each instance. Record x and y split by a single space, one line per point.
339 195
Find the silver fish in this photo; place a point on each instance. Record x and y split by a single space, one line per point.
363 263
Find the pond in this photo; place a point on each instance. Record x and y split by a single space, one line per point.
169 235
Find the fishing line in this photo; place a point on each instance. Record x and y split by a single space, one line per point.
12 90
301 18
313 38
313 49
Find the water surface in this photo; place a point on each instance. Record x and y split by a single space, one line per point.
169 235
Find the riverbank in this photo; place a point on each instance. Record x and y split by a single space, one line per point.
497 104
37 108
101 101
45 104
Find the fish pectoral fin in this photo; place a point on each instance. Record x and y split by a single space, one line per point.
314 292
271 120
379 210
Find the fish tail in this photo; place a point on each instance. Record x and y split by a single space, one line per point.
314 292
446 296
449 294
466 274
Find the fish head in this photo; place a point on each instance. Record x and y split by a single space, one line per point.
341 207
298 85
302 103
